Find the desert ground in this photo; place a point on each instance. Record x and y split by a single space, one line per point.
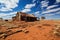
37 30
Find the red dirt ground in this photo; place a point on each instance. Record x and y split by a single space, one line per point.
40 30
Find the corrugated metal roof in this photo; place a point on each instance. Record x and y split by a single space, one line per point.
25 14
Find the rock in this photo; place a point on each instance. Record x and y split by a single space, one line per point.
26 31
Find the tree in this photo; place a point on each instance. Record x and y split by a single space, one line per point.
42 17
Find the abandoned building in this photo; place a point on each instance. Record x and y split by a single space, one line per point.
20 16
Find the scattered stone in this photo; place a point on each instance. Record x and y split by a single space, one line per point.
57 30
26 32
3 35
18 31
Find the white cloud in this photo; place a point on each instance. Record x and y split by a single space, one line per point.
49 14
52 10
33 1
37 13
44 3
5 14
9 5
27 7
49 7
30 5
57 1
58 12
26 10
2 14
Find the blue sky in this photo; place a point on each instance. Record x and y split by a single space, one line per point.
47 8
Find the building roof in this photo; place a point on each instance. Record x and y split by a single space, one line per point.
25 14
30 15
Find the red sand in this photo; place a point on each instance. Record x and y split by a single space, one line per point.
39 31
